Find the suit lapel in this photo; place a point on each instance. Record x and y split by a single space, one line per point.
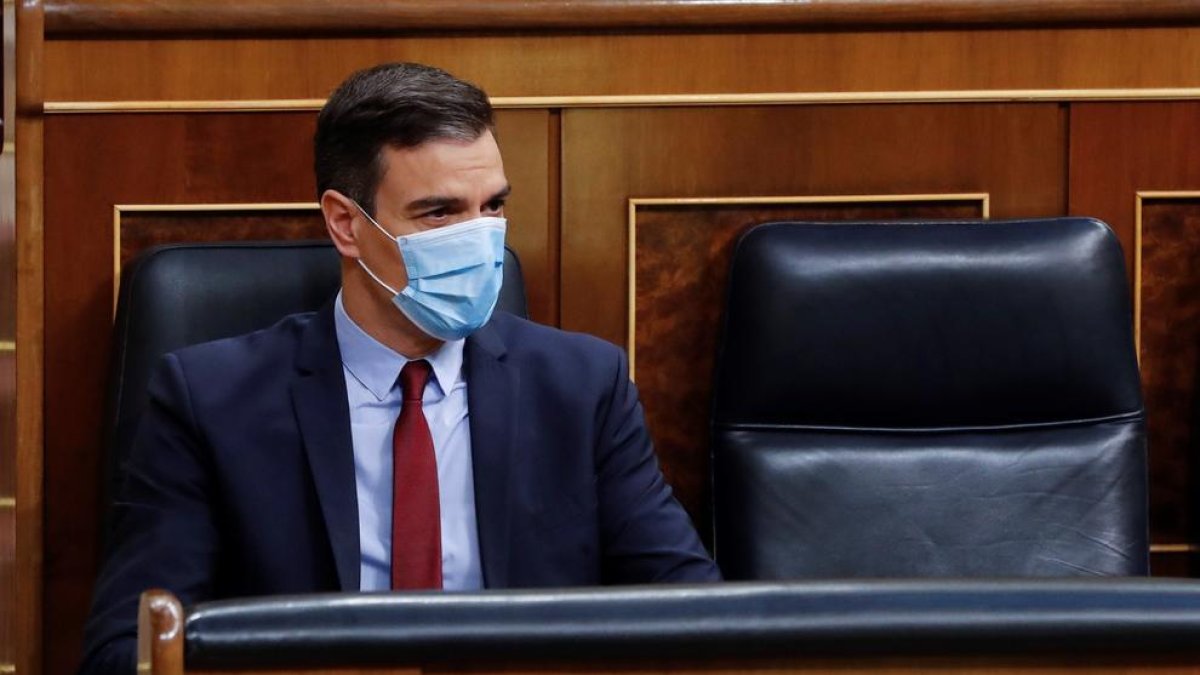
492 387
323 415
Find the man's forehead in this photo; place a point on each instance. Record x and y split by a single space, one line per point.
445 164
453 152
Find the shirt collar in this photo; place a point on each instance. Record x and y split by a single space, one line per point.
376 366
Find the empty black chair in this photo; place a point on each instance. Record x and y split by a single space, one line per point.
183 294
929 399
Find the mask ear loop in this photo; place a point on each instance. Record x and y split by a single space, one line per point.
373 276
373 221
362 264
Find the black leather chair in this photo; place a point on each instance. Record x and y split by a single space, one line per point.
183 294
929 399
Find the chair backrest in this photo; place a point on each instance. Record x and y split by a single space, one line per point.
183 294
929 399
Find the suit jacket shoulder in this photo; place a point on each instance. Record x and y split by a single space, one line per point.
239 367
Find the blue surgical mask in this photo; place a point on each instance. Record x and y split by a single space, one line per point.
454 275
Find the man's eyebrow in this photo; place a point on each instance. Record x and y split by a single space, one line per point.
452 203
435 202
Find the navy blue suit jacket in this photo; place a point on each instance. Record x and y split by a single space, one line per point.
241 481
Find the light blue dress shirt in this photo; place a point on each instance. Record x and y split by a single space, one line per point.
372 387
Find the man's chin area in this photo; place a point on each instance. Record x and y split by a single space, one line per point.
415 343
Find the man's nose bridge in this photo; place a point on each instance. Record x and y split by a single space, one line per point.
470 213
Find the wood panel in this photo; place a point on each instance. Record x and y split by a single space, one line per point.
1015 153
30 355
96 162
8 604
84 17
1169 337
682 254
142 230
516 64
526 138
8 336
1117 150
8 521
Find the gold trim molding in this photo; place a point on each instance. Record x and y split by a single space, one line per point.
7 668
1174 548
1139 200
7 346
983 198
120 209
7 503
662 100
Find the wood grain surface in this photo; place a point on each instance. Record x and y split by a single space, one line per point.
1015 153
1117 150
141 231
372 16
8 357
509 64
1170 361
160 633
30 355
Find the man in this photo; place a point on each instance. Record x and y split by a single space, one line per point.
405 436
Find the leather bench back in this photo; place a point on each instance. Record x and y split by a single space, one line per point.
929 399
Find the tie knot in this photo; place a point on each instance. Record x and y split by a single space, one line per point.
413 378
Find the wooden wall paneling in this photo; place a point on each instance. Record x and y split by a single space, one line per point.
8 520
30 351
1116 151
1015 153
92 164
8 336
1168 320
142 229
84 17
682 253
8 605
526 138
97 162
147 160
521 64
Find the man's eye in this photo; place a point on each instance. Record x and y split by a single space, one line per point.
495 205
436 213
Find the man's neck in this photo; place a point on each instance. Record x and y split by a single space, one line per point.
378 317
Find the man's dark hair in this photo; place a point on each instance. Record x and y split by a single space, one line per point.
398 105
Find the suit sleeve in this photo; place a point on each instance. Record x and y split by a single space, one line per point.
647 536
164 534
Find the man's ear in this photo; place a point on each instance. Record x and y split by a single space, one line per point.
339 212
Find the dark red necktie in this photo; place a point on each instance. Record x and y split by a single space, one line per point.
416 511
